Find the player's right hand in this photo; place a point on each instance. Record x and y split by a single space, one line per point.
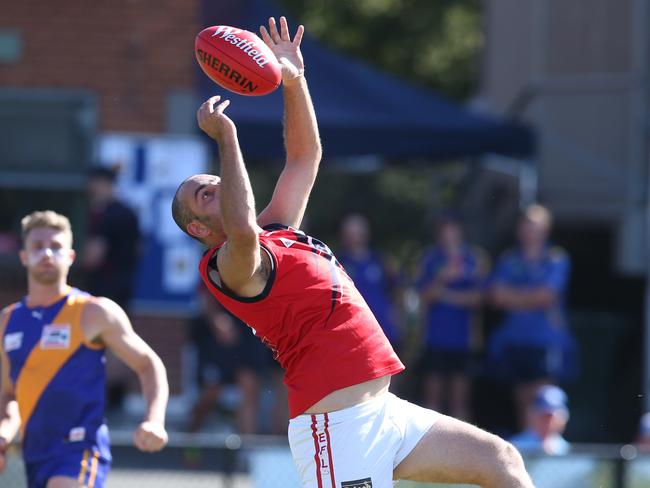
212 119
150 436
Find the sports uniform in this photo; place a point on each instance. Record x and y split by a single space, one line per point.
448 327
371 279
536 343
59 382
326 338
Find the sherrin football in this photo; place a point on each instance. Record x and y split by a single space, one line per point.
237 60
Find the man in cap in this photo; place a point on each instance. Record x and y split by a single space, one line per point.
546 420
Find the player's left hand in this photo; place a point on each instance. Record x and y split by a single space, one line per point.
150 436
286 51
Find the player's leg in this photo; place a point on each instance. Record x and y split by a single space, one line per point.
94 478
87 469
203 406
63 482
524 394
456 452
249 384
458 363
459 394
433 391
280 406
529 368
354 447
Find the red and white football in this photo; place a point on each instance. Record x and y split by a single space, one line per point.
237 60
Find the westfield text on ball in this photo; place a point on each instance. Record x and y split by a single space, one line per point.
237 60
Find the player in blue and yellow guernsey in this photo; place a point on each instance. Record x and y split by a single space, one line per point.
53 376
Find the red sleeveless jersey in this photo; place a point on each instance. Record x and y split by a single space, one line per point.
312 317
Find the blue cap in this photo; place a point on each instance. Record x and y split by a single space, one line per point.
644 424
551 398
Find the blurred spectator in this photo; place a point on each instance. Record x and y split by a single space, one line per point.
9 242
109 258
279 414
375 281
111 247
228 354
450 292
546 419
643 438
532 346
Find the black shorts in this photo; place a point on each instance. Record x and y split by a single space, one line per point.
218 363
524 364
445 361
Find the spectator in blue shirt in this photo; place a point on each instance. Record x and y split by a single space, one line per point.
450 283
532 346
374 280
546 421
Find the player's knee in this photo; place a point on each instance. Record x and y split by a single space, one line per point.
513 472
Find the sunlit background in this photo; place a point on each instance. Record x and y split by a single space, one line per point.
427 108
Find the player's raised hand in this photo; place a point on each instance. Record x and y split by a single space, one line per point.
212 119
150 436
287 51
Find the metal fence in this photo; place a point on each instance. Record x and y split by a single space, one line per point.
230 461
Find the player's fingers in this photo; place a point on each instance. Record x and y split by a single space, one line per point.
138 441
212 101
284 29
157 443
206 107
273 29
298 37
222 106
265 36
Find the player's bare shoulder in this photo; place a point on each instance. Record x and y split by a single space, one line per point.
4 319
98 315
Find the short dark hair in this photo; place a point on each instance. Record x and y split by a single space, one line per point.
102 173
182 214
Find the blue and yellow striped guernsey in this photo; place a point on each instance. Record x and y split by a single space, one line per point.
59 378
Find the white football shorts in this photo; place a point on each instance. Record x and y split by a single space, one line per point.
359 446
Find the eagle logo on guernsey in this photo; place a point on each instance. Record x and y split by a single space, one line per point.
364 483
56 336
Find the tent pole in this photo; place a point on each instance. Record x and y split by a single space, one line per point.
641 96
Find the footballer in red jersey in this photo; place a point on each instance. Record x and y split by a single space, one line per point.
346 428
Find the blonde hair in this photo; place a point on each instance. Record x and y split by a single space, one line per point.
539 214
45 219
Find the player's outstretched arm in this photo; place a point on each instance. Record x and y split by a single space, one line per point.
239 258
9 415
301 137
114 329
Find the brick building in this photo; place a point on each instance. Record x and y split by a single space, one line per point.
70 70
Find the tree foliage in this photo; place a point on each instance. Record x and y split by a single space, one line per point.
434 43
